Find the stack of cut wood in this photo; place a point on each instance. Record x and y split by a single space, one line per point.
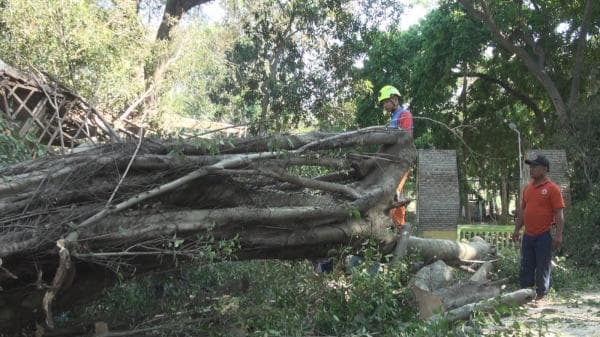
438 295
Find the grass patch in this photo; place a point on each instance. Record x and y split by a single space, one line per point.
263 298
287 298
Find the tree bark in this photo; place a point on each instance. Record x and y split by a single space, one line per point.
432 298
442 300
402 239
579 53
504 197
450 251
182 193
174 10
514 298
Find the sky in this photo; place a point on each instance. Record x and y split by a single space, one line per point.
415 11
412 15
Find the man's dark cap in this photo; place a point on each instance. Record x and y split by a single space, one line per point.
539 161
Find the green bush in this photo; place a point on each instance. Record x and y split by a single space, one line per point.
509 265
281 298
13 148
287 298
582 228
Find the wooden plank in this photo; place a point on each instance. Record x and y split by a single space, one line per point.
82 119
12 91
5 102
26 127
38 110
23 105
57 130
62 134
81 125
59 119
28 87
53 136
46 127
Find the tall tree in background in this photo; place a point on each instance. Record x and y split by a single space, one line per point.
530 30
271 59
453 71
96 50
192 83
294 60
552 39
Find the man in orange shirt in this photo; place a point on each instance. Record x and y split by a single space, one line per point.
541 206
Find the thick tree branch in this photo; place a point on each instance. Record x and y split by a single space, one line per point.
534 45
360 137
282 175
59 278
167 223
524 98
189 198
579 53
310 183
337 163
174 10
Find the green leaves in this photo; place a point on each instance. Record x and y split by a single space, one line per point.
95 50
13 148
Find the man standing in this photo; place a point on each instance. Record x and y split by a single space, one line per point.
541 206
389 99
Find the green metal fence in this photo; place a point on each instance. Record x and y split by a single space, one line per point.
498 235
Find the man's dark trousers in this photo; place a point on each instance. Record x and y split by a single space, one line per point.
536 256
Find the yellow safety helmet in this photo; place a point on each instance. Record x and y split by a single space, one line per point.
387 92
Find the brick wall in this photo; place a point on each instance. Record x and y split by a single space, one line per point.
558 169
438 201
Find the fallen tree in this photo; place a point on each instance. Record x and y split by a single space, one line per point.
146 205
244 187
137 205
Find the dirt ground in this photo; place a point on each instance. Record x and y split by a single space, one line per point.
574 315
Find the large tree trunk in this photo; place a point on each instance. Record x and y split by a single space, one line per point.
174 10
143 205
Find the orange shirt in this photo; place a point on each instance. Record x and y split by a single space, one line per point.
539 202
398 214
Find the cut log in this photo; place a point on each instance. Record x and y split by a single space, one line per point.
515 298
450 251
402 239
460 294
481 275
434 276
433 295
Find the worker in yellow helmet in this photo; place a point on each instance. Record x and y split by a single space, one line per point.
389 99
